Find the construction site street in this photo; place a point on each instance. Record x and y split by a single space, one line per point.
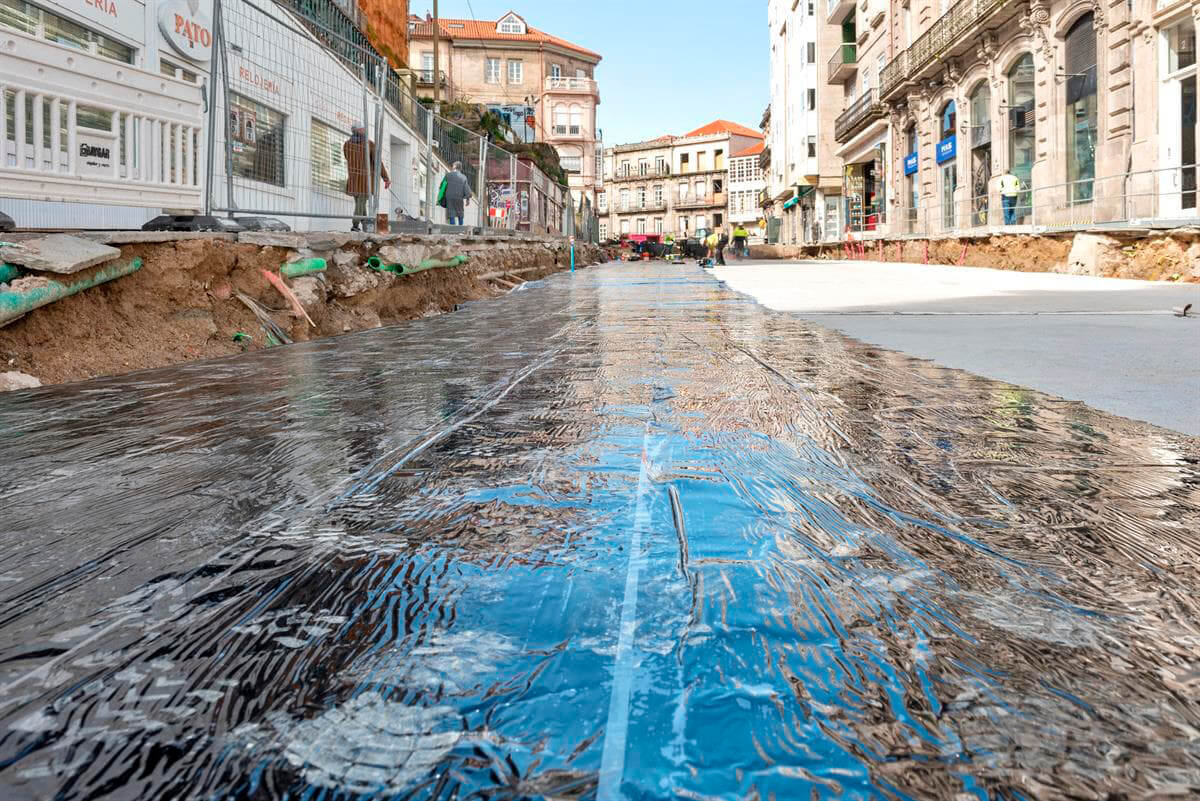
1111 343
621 534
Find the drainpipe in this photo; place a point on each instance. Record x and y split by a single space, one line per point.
20 301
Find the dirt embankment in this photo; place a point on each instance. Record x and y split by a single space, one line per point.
1149 256
183 304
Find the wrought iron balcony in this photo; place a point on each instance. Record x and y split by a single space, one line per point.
981 134
634 175
562 84
862 112
962 21
764 158
634 206
844 64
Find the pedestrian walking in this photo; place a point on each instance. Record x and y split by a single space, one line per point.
360 173
740 237
456 191
1010 190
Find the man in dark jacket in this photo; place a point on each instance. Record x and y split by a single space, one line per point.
360 172
458 192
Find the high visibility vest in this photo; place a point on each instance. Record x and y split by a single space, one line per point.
1010 184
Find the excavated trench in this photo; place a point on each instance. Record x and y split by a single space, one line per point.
624 534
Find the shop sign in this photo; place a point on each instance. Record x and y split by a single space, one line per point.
127 18
947 149
187 26
96 152
911 163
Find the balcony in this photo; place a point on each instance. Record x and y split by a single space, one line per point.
633 207
571 86
844 64
764 198
955 30
836 11
981 134
862 112
425 78
705 201
634 175
764 158
567 131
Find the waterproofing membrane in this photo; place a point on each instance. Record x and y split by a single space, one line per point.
626 535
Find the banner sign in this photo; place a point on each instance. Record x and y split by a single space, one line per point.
947 149
911 163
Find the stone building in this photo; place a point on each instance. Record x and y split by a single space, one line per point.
937 100
674 184
544 86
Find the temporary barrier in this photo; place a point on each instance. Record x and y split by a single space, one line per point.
289 88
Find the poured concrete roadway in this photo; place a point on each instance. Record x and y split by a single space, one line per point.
1111 343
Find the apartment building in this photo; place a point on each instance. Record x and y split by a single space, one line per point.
543 85
747 181
938 99
793 124
674 184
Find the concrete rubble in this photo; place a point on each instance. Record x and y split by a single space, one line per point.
58 253
14 380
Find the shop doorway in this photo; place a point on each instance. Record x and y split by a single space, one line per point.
981 152
949 187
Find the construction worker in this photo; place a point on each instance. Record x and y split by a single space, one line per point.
740 237
668 246
1010 190
710 242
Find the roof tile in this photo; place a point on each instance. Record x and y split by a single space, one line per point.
486 30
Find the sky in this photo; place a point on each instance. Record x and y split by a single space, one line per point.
669 66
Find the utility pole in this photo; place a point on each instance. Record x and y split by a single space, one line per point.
437 82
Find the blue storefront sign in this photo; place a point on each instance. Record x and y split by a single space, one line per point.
947 149
911 163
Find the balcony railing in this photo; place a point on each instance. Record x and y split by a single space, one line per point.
861 113
764 158
568 130
425 78
981 134
562 83
634 175
962 19
708 200
844 63
634 206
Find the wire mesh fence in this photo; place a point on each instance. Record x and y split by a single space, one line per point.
317 130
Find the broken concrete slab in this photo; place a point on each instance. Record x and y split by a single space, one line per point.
155 237
14 380
58 253
6 223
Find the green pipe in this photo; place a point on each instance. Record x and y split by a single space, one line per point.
303 267
8 272
376 263
13 304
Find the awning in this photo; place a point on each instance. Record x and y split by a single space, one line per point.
792 202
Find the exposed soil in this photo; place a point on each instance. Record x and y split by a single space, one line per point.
1169 256
183 305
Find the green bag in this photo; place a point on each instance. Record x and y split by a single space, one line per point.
441 201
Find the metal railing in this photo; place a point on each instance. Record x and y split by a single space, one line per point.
562 83
843 63
861 112
1148 198
933 45
707 200
634 175
634 206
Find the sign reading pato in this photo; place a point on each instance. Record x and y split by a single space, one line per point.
187 27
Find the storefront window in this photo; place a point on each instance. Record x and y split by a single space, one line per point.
1081 109
910 177
1021 130
35 21
948 145
257 140
1181 42
328 162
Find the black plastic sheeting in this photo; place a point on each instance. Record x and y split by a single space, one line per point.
624 535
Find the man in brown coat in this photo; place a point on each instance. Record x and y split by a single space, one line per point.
360 172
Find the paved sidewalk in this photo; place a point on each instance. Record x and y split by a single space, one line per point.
1111 343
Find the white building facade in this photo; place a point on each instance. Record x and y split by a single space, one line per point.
747 180
794 195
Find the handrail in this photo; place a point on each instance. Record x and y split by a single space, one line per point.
846 54
865 108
